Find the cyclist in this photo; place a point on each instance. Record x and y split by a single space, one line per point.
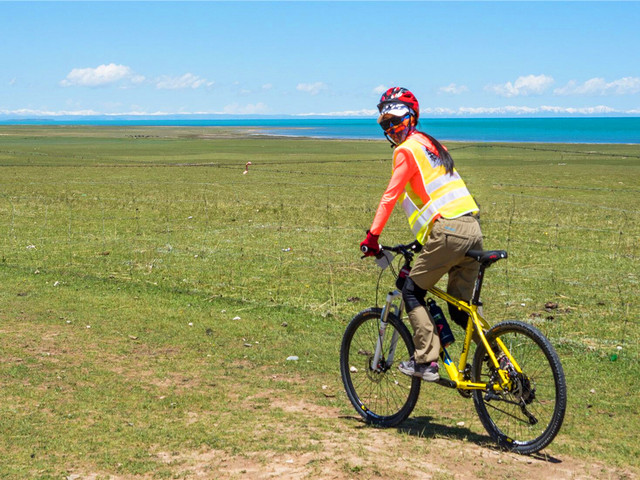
442 214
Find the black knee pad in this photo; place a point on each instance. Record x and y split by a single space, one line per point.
413 295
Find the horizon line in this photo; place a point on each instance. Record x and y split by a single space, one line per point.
544 111
313 116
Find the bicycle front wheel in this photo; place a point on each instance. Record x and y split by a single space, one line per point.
380 393
528 417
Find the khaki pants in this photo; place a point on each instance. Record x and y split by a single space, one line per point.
444 252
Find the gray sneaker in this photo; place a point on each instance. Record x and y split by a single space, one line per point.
426 371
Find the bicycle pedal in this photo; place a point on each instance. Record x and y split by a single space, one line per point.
464 393
491 396
446 383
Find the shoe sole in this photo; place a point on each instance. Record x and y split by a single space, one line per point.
410 373
427 377
430 377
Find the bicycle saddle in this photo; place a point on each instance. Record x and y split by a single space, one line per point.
487 257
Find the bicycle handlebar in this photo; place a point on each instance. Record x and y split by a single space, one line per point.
414 247
407 250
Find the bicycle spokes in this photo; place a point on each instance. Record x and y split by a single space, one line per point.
368 362
527 414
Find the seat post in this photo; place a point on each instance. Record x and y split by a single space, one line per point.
485 259
475 298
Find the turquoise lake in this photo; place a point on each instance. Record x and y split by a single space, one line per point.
548 130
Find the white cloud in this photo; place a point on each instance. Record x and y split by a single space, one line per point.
267 86
249 109
437 111
522 111
27 112
453 89
598 86
380 89
345 113
596 110
188 80
312 88
506 110
99 76
261 108
523 86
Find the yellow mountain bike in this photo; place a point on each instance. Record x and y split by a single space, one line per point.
515 378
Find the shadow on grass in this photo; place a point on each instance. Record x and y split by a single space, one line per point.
423 427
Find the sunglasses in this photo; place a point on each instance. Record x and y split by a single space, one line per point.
391 122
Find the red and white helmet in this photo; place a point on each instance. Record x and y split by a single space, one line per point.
399 95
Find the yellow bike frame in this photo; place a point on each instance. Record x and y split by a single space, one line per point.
479 324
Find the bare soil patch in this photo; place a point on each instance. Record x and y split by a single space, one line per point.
355 450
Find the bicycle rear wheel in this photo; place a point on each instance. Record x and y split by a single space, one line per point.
527 418
383 396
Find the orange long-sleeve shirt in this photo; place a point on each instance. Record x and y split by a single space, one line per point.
405 171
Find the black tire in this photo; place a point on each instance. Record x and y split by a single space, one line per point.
540 389
386 397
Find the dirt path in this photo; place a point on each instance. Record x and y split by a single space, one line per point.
361 452
380 456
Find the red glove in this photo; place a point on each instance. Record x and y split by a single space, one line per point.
370 245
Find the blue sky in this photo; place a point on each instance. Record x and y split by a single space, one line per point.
461 59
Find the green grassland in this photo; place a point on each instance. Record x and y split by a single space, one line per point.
152 292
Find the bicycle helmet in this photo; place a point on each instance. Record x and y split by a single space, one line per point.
401 95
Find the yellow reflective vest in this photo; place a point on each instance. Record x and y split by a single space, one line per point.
439 195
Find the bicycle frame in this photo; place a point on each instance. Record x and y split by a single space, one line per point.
455 373
479 325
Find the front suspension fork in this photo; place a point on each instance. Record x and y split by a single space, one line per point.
390 308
